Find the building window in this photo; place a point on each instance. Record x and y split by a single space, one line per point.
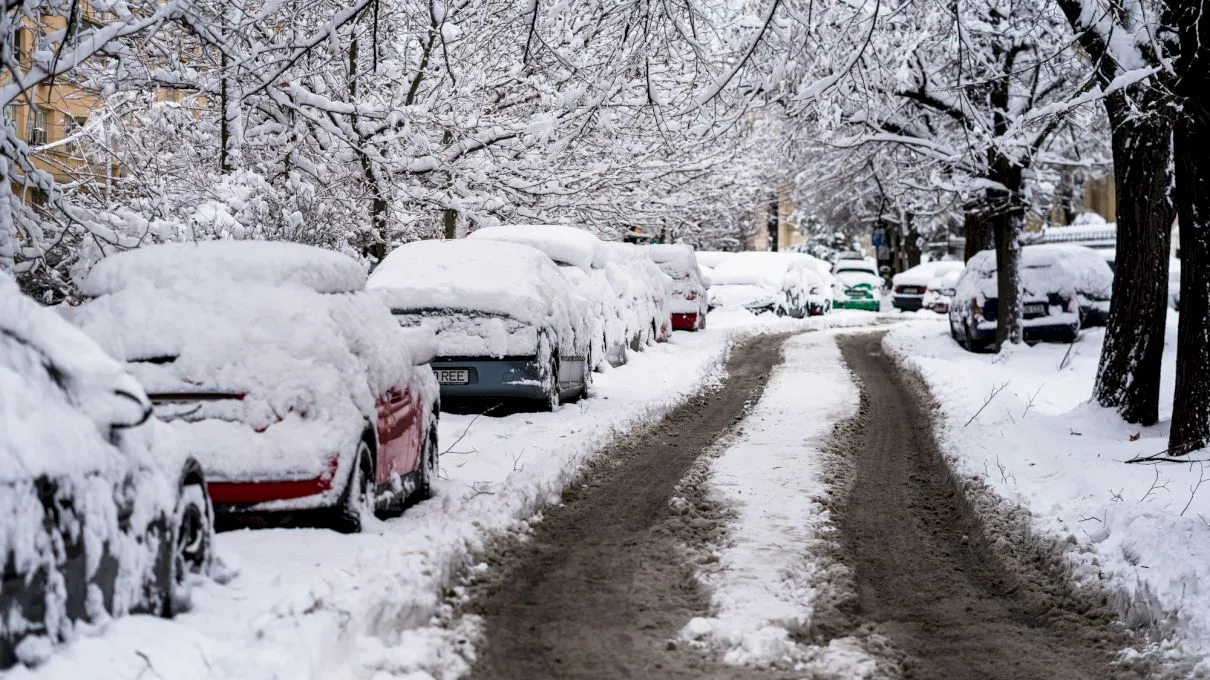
74 124
10 114
37 133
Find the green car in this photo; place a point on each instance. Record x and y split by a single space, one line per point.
860 290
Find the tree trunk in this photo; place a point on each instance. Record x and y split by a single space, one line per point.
449 220
1008 219
1128 376
772 220
376 249
1191 403
224 132
976 231
911 241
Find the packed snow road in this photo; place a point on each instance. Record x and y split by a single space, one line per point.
597 591
830 552
952 604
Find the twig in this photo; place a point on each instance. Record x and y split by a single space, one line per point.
1030 404
995 391
1067 357
517 458
1155 486
1201 479
468 427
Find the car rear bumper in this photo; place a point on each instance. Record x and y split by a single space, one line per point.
508 378
869 305
908 303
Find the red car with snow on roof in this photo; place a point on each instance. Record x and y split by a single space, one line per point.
293 386
688 299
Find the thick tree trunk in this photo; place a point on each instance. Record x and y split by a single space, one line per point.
1190 21
1128 376
449 221
1008 220
1191 403
976 230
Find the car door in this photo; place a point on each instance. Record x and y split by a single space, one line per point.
391 448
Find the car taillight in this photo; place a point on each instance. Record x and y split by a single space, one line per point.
976 309
898 289
1073 305
691 295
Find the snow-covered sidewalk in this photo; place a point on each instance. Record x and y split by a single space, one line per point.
1020 422
770 574
315 604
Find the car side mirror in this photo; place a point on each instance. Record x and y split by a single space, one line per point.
132 411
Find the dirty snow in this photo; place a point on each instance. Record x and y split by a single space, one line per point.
1141 531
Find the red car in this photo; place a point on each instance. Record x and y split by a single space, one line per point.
688 299
295 388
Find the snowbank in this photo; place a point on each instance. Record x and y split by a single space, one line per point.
769 575
1141 531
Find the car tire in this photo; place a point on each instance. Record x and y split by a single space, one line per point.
957 338
192 552
972 344
426 472
553 398
357 502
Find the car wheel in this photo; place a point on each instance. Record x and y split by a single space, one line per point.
427 471
957 338
972 344
553 398
192 533
358 500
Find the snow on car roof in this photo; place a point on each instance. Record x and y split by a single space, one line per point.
53 425
924 272
751 268
564 245
270 262
1045 268
478 275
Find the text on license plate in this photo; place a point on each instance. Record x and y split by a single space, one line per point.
1036 309
452 376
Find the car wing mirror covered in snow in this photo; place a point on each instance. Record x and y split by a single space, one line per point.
131 410
422 343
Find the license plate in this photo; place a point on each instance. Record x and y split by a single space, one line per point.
1036 309
452 376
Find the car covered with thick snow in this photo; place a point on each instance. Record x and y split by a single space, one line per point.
293 385
100 516
688 304
579 256
508 324
646 293
768 282
1054 283
909 287
940 292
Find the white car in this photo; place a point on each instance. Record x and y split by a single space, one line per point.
768 282
940 292
579 256
508 324
100 515
908 288
274 368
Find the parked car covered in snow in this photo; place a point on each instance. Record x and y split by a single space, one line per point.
508 324
99 516
909 287
646 292
1052 278
857 288
579 256
688 303
293 386
767 282
940 292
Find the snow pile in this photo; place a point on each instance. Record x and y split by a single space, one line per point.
268 262
1138 530
770 573
477 277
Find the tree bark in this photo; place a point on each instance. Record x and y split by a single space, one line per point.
911 240
1008 219
1128 375
1189 21
976 231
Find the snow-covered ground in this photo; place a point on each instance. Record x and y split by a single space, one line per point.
1022 423
305 603
769 575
